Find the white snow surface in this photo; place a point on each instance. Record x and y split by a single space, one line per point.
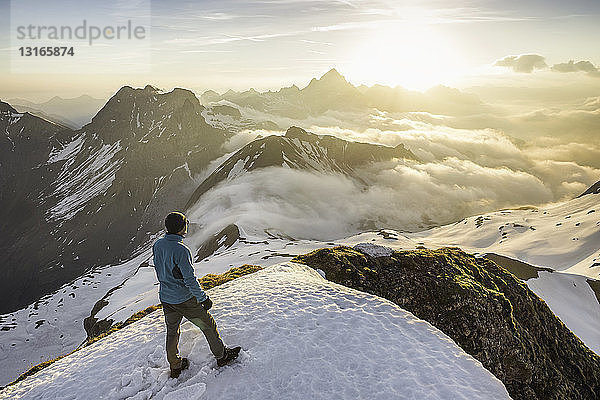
571 298
67 151
302 337
563 236
568 295
135 288
27 342
74 188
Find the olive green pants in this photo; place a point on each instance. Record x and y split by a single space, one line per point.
197 315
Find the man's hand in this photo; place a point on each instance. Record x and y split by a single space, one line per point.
207 304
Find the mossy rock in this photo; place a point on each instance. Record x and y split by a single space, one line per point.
209 281
485 309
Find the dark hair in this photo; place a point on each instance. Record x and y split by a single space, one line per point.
175 222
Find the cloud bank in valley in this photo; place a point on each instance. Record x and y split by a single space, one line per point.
469 163
461 173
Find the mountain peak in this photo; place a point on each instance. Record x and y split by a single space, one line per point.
299 133
594 189
5 107
332 75
331 83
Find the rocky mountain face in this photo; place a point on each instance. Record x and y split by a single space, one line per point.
486 310
299 149
594 189
85 198
333 92
27 144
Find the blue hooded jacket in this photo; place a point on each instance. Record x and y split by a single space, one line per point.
173 265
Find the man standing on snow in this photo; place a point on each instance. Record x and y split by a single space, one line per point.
181 295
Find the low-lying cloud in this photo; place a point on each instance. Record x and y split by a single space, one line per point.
460 173
524 63
579 66
405 196
467 165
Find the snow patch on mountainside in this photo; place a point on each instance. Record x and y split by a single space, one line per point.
572 299
324 341
66 152
75 187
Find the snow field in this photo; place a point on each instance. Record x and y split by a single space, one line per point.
302 337
563 236
27 343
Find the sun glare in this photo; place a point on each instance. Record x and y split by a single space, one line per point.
411 55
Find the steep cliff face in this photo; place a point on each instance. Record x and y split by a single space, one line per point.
486 310
72 200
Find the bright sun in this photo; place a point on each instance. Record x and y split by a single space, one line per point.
413 56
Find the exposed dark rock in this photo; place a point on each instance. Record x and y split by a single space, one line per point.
486 310
227 110
594 189
518 268
94 327
224 239
595 285
74 200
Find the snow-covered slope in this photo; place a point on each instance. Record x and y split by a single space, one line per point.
124 289
563 236
53 325
323 341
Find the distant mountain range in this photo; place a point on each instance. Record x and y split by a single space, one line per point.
74 112
333 92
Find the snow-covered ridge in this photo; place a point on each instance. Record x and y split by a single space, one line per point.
324 341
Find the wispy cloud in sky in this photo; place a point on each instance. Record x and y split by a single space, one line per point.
250 36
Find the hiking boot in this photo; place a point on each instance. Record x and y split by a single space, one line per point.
230 355
185 363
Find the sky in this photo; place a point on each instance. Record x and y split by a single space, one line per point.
268 44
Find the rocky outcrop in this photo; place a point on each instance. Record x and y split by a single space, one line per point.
486 310
594 189
222 240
